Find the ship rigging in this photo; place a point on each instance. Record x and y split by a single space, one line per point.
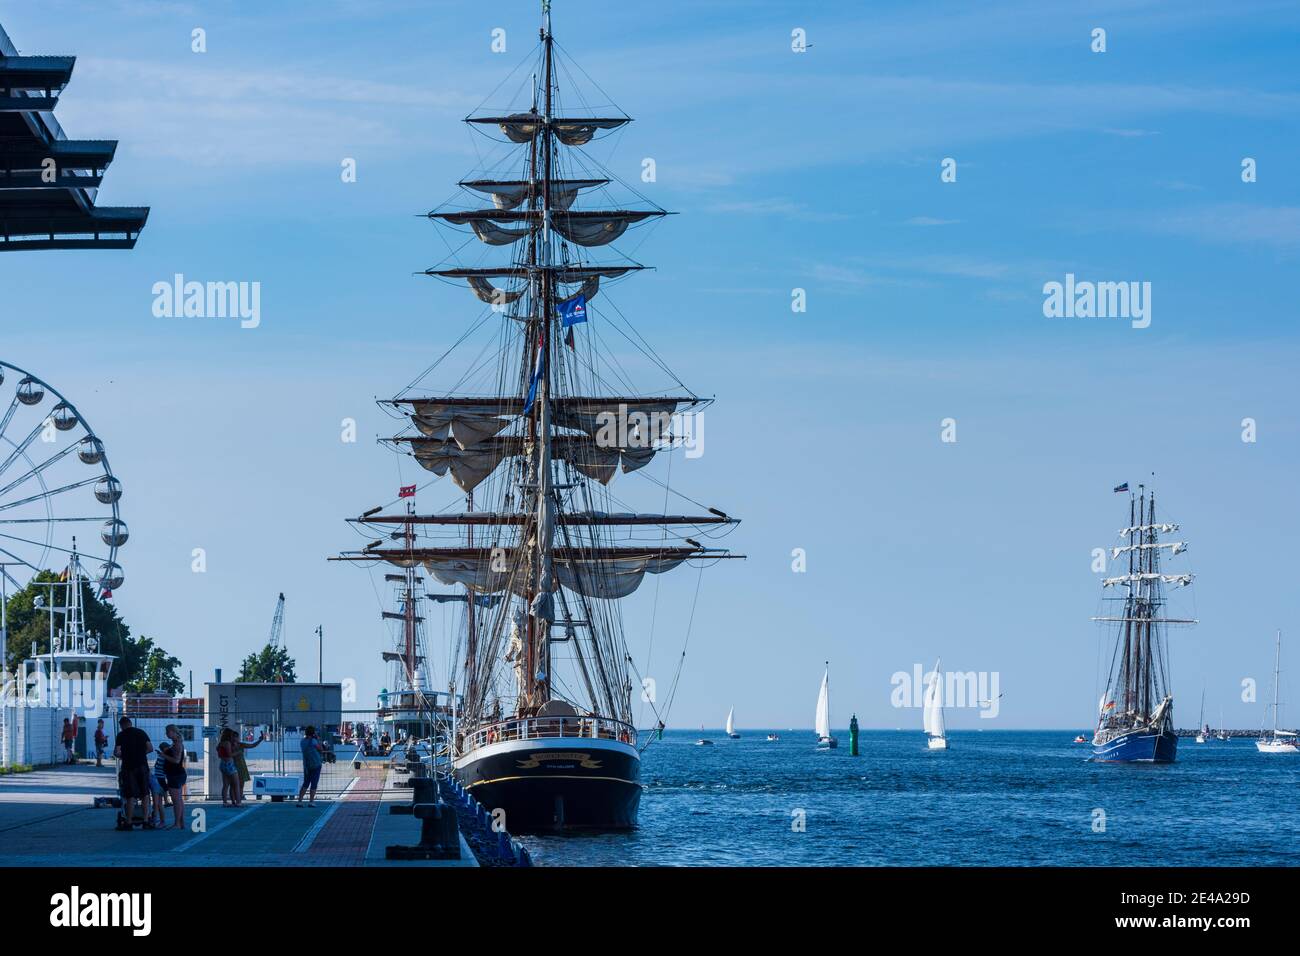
543 684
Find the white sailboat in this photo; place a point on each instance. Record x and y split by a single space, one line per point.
1280 741
1223 733
823 720
731 724
932 718
1204 727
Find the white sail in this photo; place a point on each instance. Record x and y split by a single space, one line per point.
823 720
932 719
731 721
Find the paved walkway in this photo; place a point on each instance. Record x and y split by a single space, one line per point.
47 818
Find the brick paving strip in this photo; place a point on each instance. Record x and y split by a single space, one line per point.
345 836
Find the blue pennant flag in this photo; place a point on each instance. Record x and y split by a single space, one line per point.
571 312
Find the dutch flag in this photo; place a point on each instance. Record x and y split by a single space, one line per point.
538 367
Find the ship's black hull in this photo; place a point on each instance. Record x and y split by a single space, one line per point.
545 785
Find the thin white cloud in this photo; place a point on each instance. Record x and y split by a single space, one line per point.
1276 226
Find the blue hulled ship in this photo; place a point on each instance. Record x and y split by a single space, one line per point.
1136 713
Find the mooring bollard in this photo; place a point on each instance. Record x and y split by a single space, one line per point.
439 834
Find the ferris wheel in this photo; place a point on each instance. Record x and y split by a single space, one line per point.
58 496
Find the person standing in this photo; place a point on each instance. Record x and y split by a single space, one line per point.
226 764
174 774
241 764
101 743
69 739
312 760
133 750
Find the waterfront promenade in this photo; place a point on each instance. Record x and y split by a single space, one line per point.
48 818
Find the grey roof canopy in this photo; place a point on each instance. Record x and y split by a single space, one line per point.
48 183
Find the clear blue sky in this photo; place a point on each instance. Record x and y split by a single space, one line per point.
819 171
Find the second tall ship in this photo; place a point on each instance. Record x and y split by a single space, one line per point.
1136 712
544 680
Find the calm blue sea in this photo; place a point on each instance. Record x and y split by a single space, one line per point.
997 798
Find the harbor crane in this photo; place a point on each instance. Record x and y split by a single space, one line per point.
273 642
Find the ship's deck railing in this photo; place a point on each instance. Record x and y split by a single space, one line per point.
535 728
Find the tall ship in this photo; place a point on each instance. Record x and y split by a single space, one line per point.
535 428
1135 719
409 706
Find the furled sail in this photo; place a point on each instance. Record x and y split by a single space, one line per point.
509 194
1161 528
497 235
592 232
567 273
480 600
465 424
1175 547
600 577
571 131
586 228
513 518
614 422
491 294
1177 580
494 295
470 465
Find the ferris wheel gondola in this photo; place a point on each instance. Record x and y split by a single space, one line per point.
57 491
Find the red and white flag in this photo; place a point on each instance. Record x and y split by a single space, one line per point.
406 491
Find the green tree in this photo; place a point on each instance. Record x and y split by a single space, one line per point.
158 673
29 624
270 665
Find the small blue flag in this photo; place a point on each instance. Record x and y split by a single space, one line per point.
571 311
1123 487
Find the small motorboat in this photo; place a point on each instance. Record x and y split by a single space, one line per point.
773 736
703 741
1080 739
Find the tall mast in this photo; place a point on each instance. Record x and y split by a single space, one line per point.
408 605
545 505
1130 606
471 633
1277 675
